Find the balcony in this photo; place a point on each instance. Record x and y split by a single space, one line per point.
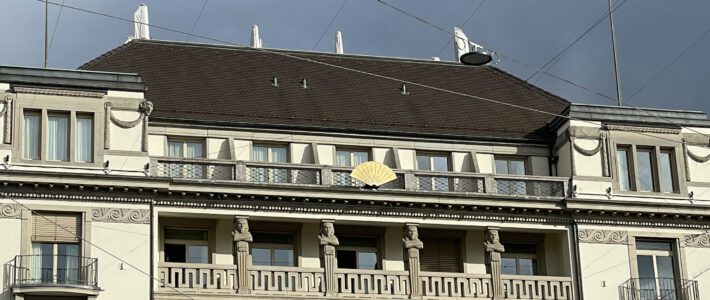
55 274
351 283
412 180
659 288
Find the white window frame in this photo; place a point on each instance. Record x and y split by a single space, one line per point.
632 161
351 153
72 135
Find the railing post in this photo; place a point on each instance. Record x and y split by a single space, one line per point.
489 185
242 238
328 241
412 244
326 174
493 249
240 171
410 181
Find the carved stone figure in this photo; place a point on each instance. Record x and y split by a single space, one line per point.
328 241
242 238
241 230
327 235
413 244
493 249
411 237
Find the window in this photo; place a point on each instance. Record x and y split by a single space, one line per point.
351 158
55 248
441 254
51 140
511 166
186 245
186 149
436 163
646 169
273 249
519 259
656 270
270 154
358 252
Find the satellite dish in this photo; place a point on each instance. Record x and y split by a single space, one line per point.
476 58
373 174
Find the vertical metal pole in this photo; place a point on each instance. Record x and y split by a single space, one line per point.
616 62
46 31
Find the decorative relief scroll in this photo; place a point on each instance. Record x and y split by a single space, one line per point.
698 158
145 108
120 215
10 211
697 240
7 114
586 152
601 146
594 236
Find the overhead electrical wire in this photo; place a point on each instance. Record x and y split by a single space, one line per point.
451 38
197 20
330 24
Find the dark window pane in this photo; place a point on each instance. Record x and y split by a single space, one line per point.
367 260
186 234
261 256
175 253
358 241
423 163
273 238
501 166
517 167
527 266
508 266
197 254
645 171
650 245
283 257
622 163
666 172
520 248
347 259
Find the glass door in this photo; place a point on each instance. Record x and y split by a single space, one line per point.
656 270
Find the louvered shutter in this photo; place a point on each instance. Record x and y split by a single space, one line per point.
441 255
56 227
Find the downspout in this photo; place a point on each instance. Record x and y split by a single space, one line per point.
152 256
578 260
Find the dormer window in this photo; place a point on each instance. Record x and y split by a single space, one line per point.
49 135
646 169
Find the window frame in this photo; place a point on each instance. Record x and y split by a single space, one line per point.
188 243
276 246
44 113
678 257
677 177
363 249
518 256
350 151
432 155
269 153
508 159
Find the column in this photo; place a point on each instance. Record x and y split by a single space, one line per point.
493 260
328 241
413 244
242 238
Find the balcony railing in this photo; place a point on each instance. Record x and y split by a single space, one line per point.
413 180
352 283
659 288
54 270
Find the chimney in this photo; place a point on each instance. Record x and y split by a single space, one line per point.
255 39
338 42
141 29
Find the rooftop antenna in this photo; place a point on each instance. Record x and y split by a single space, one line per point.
141 27
46 31
339 42
478 57
616 62
255 39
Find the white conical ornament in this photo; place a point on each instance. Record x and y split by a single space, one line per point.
141 27
461 45
255 39
339 43
373 174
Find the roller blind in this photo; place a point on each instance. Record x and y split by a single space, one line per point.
56 227
441 255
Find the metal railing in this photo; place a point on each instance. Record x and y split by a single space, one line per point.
413 180
659 288
54 270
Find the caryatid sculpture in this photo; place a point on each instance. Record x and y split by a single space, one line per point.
494 249
328 241
242 238
413 244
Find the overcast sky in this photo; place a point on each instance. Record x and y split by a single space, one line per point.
650 34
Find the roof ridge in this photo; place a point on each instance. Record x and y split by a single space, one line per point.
532 87
106 54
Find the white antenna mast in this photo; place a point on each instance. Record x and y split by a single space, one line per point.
339 42
255 39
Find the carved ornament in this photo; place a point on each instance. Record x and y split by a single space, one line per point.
594 236
120 215
58 92
10 211
145 108
644 129
594 151
698 158
697 240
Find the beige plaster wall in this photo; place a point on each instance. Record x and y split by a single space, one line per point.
698 263
217 148
588 165
699 172
223 246
461 162
485 162
242 150
474 258
604 268
393 253
384 155
130 242
564 164
406 159
126 139
326 154
309 254
301 153
11 234
156 145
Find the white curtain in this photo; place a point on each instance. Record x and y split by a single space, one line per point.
57 138
342 158
84 139
278 155
68 264
260 154
31 137
194 150
360 157
36 262
175 149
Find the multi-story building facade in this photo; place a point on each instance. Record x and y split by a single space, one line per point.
224 172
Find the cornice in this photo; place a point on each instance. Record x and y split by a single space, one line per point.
627 128
58 92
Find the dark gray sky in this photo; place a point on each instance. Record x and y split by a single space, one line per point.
650 34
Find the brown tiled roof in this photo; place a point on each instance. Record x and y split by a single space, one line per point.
232 85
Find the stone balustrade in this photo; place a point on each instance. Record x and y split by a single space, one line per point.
373 282
457 285
537 287
286 281
198 277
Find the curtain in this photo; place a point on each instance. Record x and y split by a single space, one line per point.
40 263
68 264
84 139
31 137
194 150
342 158
278 155
57 138
360 157
175 150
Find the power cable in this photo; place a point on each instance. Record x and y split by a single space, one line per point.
451 38
556 57
413 16
330 24
94 245
54 30
199 15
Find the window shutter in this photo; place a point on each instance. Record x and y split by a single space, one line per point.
441 255
56 227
